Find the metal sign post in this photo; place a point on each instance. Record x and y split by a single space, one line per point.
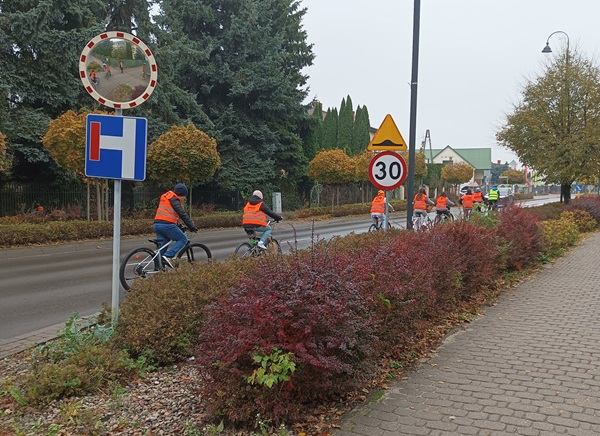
116 145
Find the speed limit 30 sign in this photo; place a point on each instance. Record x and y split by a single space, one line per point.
387 170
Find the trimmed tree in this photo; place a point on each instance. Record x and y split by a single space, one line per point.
65 142
332 167
183 154
455 174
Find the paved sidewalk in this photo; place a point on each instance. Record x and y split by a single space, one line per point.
529 366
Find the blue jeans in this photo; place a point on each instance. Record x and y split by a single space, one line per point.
166 233
266 232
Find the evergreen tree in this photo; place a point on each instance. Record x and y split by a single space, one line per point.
345 125
40 45
330 129
313 131
242 61
362 127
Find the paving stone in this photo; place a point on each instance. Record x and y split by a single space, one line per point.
527 367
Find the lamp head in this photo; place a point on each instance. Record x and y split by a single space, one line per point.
547 49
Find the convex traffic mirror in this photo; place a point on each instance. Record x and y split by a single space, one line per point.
118 70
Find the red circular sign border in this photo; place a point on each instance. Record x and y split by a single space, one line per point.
402 163
88 85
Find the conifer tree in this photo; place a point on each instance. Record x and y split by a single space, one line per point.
345 125
330 129
362 127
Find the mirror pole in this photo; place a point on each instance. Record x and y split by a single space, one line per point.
116 245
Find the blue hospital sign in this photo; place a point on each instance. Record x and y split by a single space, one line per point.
115 147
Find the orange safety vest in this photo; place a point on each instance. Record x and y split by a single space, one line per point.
253 215
478 197
468 201
378 204
440 203
420 204
165 211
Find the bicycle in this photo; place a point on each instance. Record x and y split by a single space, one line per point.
379 225
441 218
421 223
143 262
251 248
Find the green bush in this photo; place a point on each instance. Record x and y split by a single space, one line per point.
87 371
162 316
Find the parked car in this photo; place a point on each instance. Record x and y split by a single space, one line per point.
506 195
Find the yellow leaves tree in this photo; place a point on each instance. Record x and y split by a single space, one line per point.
513 176
4 160
362 162
420 164
183 154
65 141
332 167
456 174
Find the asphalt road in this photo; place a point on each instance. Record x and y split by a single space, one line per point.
43 286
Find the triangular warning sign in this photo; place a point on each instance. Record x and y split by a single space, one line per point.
388 137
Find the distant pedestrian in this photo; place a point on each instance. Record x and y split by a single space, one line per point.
121 66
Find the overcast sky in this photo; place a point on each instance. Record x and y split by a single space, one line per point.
474 55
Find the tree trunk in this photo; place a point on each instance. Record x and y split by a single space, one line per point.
565 193
98 201
88 200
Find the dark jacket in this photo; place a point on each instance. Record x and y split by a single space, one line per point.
178 208
263 208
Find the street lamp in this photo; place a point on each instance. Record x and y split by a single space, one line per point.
547 49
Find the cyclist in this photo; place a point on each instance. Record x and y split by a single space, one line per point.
379 205
420 203
93 77
493 197
170 211
478 199
255 218
467 202
443 204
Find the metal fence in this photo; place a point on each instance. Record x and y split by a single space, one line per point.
23 198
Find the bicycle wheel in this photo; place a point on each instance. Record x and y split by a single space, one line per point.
140 263
243 250
373 228
196 252
273 246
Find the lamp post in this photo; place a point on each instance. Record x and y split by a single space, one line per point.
547 49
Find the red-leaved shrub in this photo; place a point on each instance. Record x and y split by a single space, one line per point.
305 304
521 237
591 204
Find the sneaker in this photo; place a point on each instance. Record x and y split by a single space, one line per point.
168 261
261 245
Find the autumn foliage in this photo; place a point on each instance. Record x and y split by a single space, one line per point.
3 154
184 153
457 173
65 140
332 166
